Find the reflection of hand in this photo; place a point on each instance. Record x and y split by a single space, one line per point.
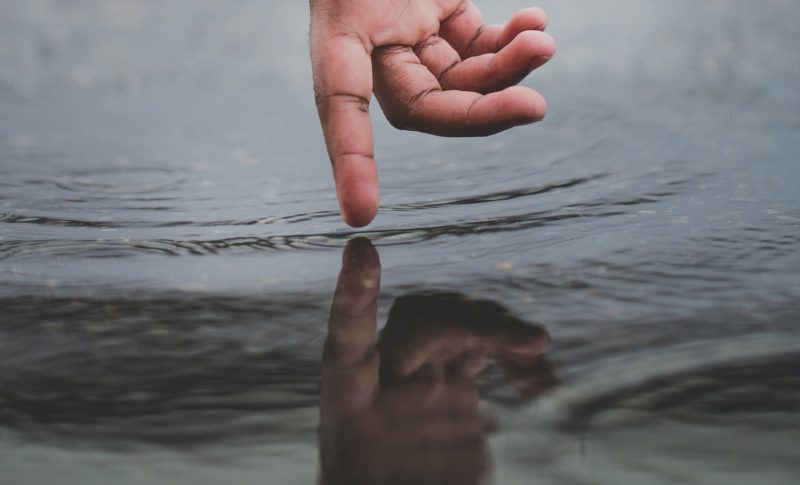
408 412
435 68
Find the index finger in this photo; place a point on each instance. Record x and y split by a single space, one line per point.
343 88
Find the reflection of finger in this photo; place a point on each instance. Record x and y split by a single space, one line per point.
441 345
425 395
472 364
409 343
465 30
412 98
493 72
343 87
350 372
520 343
351 329
532 380
406 352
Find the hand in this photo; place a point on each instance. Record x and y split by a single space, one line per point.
433 66
406 410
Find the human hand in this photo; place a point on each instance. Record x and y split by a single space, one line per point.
433 66
406 410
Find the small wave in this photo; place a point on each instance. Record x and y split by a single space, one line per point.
174 369
497 196
289 219
391 236
574 407
105 247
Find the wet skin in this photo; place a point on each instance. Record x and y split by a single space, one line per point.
404 409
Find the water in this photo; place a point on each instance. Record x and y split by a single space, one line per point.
170 245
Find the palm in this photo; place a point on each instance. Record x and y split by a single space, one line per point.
434 68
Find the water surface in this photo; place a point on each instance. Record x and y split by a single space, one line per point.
170 245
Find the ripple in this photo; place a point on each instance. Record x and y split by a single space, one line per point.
117 248
616 383
103 247
169 370
107 181
11 218
497 196
725 411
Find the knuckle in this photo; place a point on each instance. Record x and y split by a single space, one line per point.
461 7
428 27
432 41
340 100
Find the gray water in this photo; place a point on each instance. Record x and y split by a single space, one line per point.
170 246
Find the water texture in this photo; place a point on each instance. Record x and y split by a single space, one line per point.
609 296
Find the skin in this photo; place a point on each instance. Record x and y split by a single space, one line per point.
433 66
404 408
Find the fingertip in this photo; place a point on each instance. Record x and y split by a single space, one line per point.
532 45
361 273
539 43
527 104
357 188
535 17
539 111
528 19
360 254
359 207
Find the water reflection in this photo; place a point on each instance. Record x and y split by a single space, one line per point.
405 409
214 384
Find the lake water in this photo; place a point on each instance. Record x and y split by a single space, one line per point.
170 246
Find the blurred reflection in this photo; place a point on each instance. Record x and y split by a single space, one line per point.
404 410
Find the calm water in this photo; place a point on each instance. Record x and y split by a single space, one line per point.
170 247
